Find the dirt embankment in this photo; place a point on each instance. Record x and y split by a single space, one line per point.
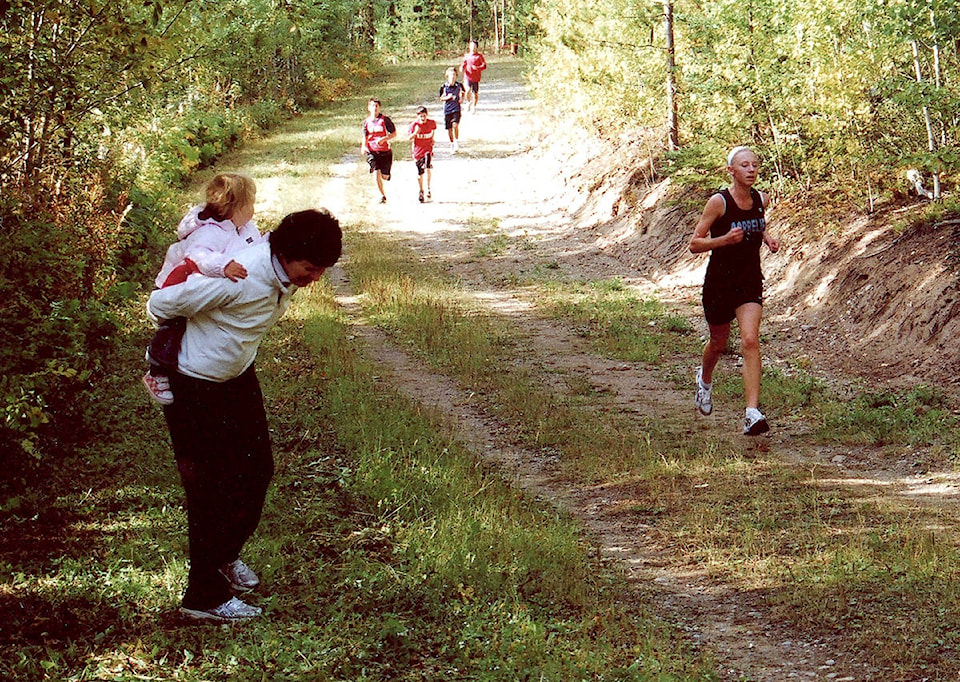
870 296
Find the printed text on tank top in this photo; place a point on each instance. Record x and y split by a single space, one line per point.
754 227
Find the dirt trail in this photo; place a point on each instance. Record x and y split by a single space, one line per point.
501 184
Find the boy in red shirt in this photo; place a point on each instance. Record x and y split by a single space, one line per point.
378 130
421 132
471 67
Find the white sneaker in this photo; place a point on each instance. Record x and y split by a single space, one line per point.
704 399
228 612
456 147
754 423
240 576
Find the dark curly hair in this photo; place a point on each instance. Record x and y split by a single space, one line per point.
311 235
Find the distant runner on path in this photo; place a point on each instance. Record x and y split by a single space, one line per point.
378 130
472 67
733 228
451 94
422 132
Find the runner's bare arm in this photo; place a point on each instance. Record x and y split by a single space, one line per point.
701 241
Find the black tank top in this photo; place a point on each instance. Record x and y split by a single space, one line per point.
737 263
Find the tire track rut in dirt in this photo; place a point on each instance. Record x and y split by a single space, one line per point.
731 623
498 179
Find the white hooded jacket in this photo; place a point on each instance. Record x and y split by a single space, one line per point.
210 244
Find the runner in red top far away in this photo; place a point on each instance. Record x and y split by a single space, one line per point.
421 132
472 67
378 130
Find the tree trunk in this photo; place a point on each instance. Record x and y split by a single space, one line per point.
367 29
673 128
936 82
931 138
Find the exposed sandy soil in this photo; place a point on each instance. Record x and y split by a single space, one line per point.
847 304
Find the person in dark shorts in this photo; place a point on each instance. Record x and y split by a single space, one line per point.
472 67
451 94
421 133
733 228
378 130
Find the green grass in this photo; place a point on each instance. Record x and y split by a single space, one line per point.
829 558
386 551
618 322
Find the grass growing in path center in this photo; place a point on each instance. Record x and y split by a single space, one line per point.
834 559
386 551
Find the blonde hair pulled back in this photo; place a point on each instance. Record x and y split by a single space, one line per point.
227 193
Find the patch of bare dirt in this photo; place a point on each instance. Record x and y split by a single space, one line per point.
848 303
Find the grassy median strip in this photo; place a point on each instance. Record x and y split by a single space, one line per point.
386 552
828 556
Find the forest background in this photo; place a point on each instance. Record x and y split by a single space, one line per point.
107 108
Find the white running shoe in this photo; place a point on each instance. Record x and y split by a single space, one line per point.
754 423
704 399
230 611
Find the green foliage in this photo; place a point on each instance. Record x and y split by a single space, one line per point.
428 28
918 416
824 90
106 109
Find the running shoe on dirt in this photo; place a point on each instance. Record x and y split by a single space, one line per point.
704 399
754 423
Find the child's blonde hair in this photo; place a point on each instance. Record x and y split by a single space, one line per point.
227 193
451 69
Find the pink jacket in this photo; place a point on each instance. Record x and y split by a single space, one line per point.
208 243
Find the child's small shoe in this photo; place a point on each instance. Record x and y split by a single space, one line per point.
158 386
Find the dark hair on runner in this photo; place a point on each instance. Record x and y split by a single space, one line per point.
373 99
422 110
311 235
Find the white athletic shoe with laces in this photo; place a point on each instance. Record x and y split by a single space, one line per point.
229 611
754 423
704 399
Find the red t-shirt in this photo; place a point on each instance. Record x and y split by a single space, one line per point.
473 65
423 140
375 130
